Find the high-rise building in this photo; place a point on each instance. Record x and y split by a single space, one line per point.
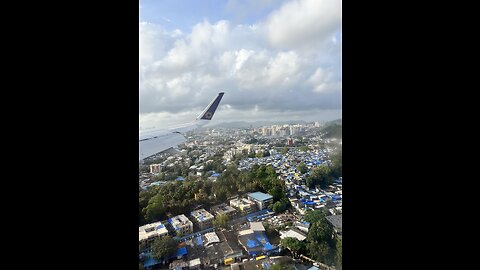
155 168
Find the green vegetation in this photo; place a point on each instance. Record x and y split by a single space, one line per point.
339 253
282 267
178 197
321 242
321 175
164 247
336 169
333 130
221 221
296 247
302 167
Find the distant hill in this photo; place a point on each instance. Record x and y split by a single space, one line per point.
333 129
334 122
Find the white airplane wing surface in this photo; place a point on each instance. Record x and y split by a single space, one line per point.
152 142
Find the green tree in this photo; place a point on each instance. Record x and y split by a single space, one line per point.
339 253
321 232
336 170
302 167
304 148
321 175
278 266
221 221
321 252
277 207
284 150
314 216
293 244
163 248
276 192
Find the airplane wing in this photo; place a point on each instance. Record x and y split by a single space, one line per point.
156 141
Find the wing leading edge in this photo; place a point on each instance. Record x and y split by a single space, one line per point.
157 141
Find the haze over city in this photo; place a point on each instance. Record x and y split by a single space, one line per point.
275 60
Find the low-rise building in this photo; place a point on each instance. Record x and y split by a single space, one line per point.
223 209
243 205
202 218
294 233
261 199
181 224
336 221
148 233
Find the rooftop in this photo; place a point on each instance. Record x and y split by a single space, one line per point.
260 196
257 226
335 220
180 221
222 209
201 215
150 230
242 202
293 233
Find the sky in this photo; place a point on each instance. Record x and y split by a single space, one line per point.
274 59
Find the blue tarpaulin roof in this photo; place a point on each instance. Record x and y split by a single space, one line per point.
150 261
216 175
252 243
199 241
268 246
336 197
180 178
181 251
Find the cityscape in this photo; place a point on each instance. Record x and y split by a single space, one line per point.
240 134
247 198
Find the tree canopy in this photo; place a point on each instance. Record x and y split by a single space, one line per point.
221 221
302 167
321 175
293 244
163 248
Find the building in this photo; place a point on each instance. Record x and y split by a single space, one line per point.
148 233
336 222
181 224
289 141
244 205
255 241
202 218
294 233
155 168
261 199
223 209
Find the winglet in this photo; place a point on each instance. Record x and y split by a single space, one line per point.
207 114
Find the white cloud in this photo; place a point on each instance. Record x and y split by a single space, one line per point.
300 22
181 72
